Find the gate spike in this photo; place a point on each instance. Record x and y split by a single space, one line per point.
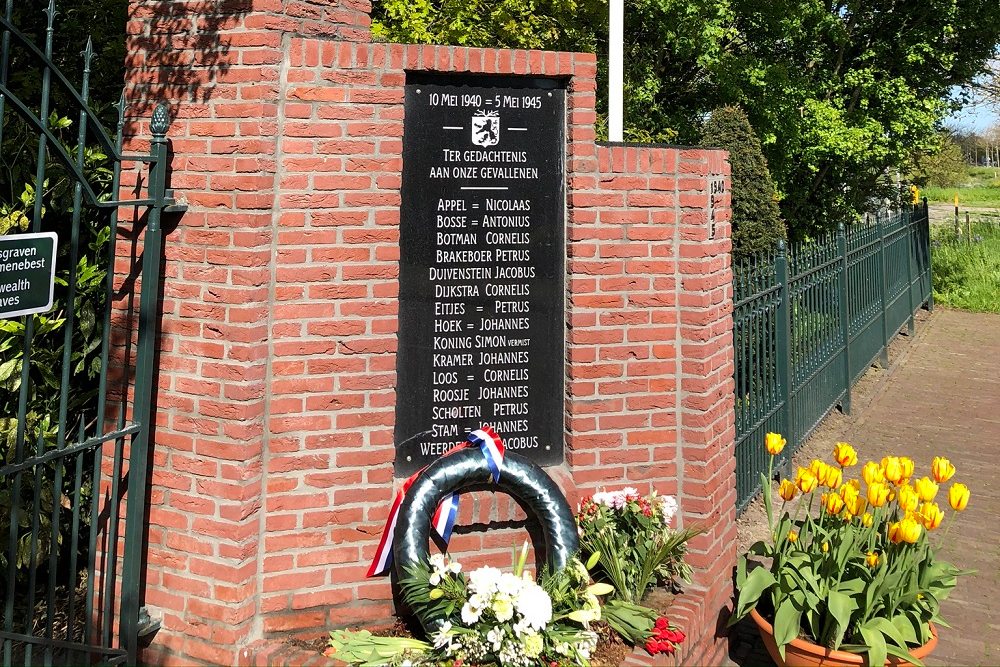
88 54
51 12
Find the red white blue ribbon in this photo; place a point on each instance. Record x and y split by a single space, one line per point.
491 446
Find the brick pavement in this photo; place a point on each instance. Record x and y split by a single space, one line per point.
942 398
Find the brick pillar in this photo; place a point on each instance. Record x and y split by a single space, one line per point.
218 65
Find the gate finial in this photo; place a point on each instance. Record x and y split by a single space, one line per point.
161 120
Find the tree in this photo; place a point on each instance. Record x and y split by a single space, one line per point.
842 93
756 221
943 167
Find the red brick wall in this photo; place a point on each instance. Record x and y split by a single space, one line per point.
273 445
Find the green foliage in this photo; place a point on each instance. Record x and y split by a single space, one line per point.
842 95
966 269
521 24
756 220
46 367
632 542
943 167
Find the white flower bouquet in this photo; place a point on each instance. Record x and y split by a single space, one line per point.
489 617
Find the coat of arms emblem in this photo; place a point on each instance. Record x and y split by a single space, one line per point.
486 128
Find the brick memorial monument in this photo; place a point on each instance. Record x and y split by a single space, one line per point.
386 245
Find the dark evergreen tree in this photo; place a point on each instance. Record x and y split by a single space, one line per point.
756 221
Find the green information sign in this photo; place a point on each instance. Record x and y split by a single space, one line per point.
27 273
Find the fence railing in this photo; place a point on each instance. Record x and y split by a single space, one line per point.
808 321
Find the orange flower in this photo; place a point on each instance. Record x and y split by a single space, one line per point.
931 515
942 469
845 455
878 494
908 498
926 488
892 469
806 481
787 490
833 503
958 496
834 477
872 473
774 443
906 463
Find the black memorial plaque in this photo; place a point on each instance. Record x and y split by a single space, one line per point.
481 302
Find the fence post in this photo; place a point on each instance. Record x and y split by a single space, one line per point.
883 357
845 319
925 238
783 351
145 380
911 238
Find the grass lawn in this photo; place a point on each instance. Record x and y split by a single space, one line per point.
967 272
981 188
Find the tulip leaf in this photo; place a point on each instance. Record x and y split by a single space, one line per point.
889 629
876 645
756 583
840 607
904 654
786 624
908 630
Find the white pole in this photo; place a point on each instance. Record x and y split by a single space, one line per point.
615 71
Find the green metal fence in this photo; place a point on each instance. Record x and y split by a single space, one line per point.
808 321
75 406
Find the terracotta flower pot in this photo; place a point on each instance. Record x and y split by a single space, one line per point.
802 653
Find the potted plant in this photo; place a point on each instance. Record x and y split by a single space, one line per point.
853 577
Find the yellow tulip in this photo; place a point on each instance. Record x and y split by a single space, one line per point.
894 532
878 494
787 490
825 547
867 519
906 463
833 503
774 443
793 536
909 530
848 491
856 506
856 483
845 455
908 498
872 473
872 559
932 515
926 489
958 496
892 469
806 481
942 469
834 477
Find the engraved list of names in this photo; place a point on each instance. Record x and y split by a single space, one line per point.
481 302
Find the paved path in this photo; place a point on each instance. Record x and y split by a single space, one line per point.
943 399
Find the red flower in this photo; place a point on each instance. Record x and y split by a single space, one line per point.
676 636
652 646
666 647
661 623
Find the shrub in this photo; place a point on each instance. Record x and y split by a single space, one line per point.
756 221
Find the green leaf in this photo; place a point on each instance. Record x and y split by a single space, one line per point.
876 645
786 624
841 607
756 583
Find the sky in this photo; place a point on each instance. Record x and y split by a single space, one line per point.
976 117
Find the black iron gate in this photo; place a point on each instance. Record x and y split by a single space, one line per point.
75 386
